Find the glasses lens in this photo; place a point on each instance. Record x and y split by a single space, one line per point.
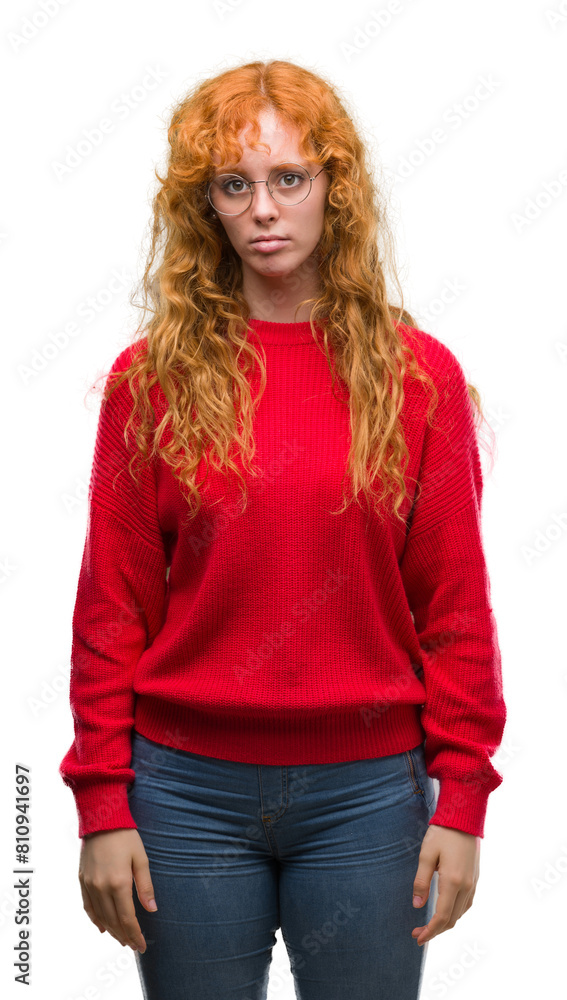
288 184
230 194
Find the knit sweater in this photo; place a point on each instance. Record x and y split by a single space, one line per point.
284 633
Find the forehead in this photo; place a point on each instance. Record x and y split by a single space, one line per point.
276 142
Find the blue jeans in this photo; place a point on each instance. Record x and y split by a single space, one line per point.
327 852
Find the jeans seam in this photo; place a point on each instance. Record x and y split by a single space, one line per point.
413 775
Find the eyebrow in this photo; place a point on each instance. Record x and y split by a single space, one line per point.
243 173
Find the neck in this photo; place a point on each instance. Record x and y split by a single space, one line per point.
276 295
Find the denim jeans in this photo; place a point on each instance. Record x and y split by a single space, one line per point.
326 852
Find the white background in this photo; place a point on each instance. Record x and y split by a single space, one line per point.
484 212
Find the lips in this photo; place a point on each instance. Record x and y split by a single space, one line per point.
265 239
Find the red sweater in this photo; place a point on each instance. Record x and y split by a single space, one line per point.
286 634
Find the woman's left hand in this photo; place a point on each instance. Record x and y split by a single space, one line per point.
456 856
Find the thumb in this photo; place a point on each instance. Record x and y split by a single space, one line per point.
143 880
422 883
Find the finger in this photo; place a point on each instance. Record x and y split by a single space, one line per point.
446 900
102 919
143 880
427 866
124 904
92 904
463 902
89 908
108 914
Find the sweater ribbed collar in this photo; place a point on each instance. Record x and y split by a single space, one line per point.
269 332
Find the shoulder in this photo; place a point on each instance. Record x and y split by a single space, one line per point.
454 404
123 360
432 354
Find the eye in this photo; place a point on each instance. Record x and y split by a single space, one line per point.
289 179
234 180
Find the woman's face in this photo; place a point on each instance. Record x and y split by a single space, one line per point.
301 224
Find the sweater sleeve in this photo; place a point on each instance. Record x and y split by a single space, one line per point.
118 612
446 580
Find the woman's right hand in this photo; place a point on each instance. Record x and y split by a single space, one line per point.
109 861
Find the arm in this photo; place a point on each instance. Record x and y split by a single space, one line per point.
446 581
118 612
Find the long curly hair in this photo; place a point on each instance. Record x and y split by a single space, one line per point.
195 342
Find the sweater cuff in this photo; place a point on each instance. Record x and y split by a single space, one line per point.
462 806
103 805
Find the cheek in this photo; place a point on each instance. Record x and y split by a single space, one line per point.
316 220
232 232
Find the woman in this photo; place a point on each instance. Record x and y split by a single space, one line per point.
265 683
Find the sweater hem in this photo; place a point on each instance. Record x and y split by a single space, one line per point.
281 737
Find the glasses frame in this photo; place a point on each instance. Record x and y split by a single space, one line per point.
249 184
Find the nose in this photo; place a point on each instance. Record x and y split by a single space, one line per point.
263 205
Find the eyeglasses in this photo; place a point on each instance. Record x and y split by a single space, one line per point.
288 184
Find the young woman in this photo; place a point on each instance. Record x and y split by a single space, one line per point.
266 681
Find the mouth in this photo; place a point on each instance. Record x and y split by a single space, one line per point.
269 242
